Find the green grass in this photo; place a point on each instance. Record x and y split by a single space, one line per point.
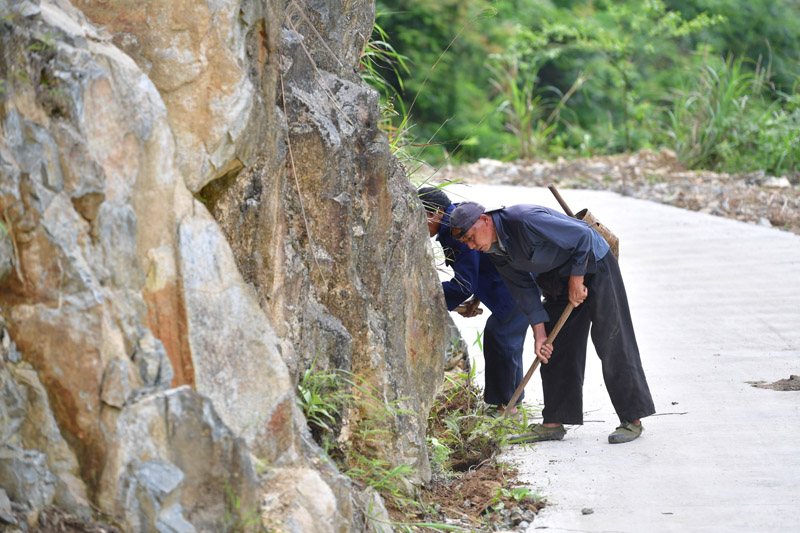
324 397
729 119
458 430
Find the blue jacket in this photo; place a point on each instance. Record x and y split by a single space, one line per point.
539 239
473 272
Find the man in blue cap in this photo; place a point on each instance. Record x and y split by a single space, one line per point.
474 275
572 264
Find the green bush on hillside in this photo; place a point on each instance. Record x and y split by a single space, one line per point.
532 78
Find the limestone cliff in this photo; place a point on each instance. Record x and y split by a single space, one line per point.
196 203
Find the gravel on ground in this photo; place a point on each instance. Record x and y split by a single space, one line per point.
657 176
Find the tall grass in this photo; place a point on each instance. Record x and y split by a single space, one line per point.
729 118
325 396
532 113
379 59
460 436
380 63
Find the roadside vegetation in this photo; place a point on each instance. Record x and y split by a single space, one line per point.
716 81
470 489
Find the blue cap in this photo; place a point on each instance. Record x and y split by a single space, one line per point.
464 216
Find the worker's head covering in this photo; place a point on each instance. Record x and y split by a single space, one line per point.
433 199
464 217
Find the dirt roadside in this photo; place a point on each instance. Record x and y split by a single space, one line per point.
657 176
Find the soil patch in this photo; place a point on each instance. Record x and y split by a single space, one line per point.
478 491
470 489
790 384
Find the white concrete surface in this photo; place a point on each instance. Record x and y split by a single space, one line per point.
715 304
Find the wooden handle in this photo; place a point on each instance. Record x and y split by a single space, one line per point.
550 338
560 200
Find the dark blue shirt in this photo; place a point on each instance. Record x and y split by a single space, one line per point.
473 272
539 239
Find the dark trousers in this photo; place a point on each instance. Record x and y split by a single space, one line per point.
502 351
606 310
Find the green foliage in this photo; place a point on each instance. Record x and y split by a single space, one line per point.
44 44
413 527
580 77
478 342
533 113
728 119
324 397
516 494
626 40
604 51
377 55
440 454
460 432
461 435
446 43
321 399
374 427
239 520
754 30
377 58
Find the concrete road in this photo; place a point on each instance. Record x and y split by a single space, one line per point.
715 304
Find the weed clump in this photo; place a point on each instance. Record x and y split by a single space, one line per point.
470 484
470 489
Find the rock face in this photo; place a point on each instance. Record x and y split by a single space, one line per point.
333 235
196 203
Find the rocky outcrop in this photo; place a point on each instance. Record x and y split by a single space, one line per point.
196 203
355 216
